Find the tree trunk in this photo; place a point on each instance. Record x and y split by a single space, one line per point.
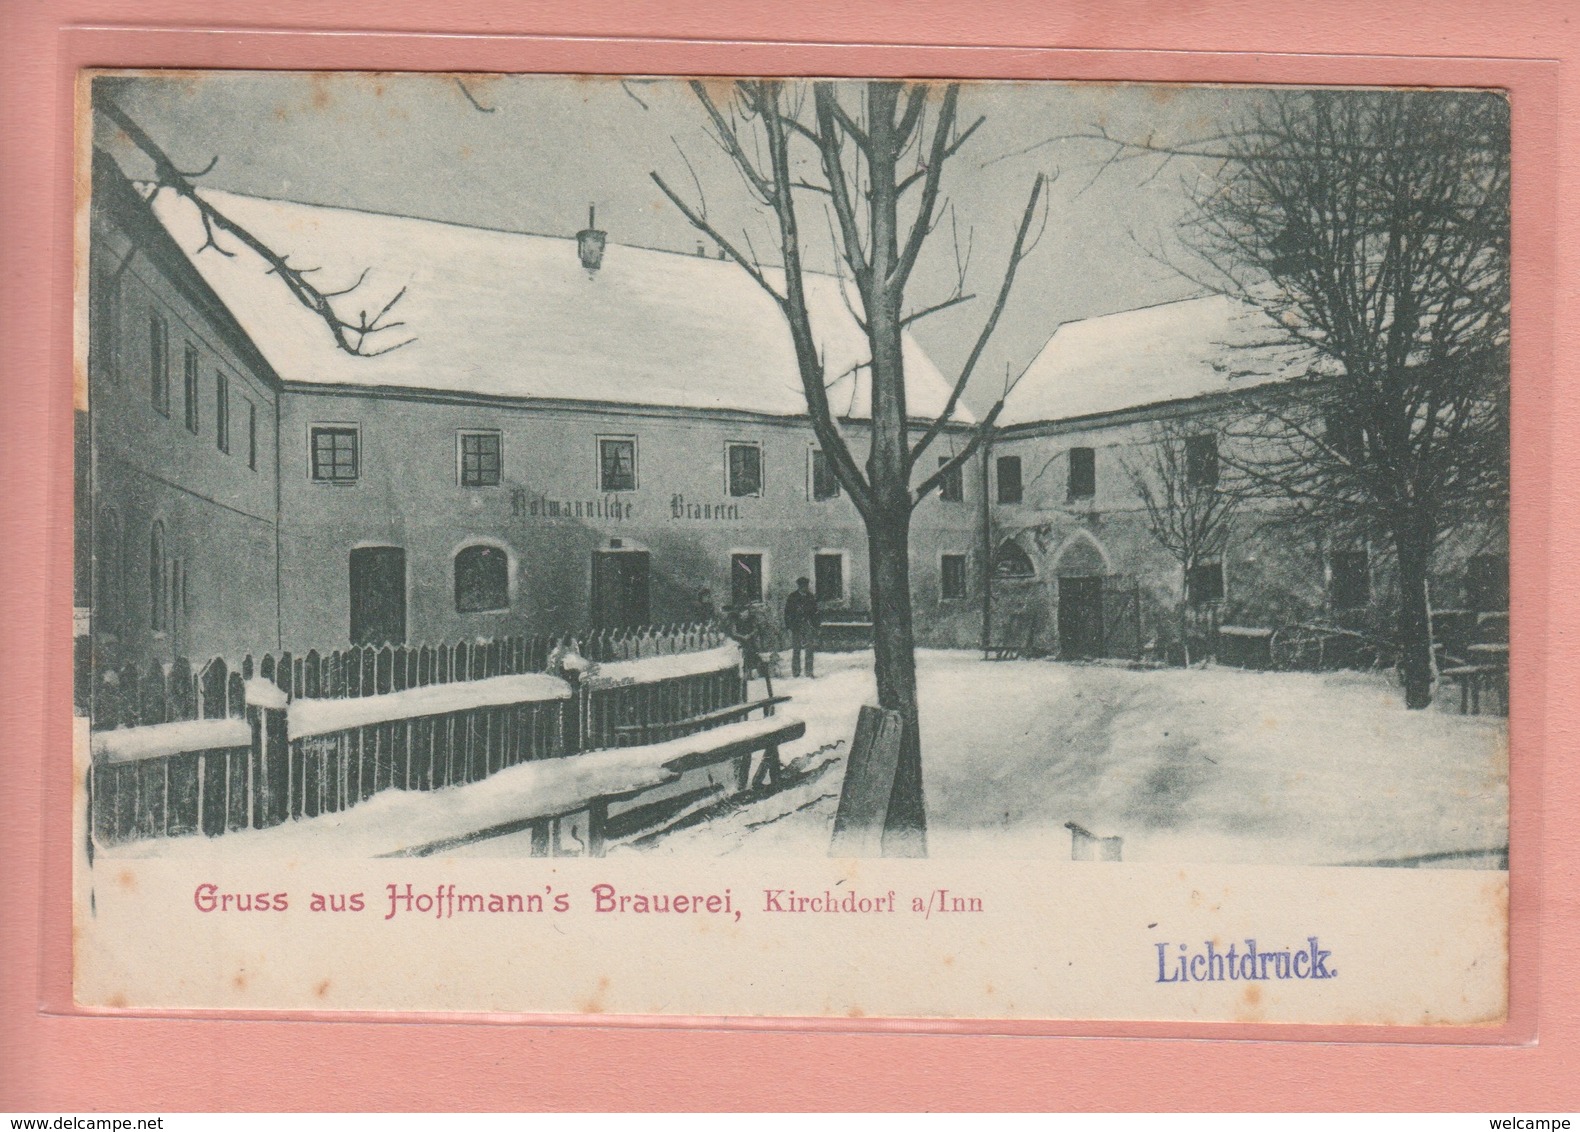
1414 548
889 472
894 657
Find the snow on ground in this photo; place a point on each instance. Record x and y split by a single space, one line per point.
393 821
1202 764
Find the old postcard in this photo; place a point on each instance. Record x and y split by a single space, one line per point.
785 548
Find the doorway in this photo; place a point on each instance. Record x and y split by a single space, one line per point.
746 580
378 595
1081 617
620 589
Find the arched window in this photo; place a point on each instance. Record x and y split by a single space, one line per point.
107 604
1011 561
482 579
156 577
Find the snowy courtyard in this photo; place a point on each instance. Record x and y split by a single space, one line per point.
1201 764
1205 764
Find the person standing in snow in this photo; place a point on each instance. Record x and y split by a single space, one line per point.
802 620
749 627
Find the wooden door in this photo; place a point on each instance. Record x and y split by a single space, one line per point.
1081 617
621 594
746 579
378 595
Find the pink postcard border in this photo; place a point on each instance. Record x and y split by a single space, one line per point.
59 1058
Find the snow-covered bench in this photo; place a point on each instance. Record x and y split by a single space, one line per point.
1245 646
845 631
592 782
1473 680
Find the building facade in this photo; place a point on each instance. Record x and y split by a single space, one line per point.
476 517
559 435
178 453
1153 403
595 448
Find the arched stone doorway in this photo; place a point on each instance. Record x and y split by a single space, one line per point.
1081 566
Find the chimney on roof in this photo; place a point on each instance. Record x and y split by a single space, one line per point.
589 243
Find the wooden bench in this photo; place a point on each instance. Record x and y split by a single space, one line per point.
1007 651
1472 678
738 750
737 742
848 633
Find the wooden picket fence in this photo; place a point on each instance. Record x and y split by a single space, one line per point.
277 776
602 710
135 696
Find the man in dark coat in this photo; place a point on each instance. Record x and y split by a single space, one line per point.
802 619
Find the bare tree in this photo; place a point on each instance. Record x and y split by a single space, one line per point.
352 336
1190 514
881 149
1372 227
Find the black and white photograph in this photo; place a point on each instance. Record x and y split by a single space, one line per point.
486 468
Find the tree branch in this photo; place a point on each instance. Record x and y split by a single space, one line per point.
922 225
701 224
917 316
348 336
1016 255
978 435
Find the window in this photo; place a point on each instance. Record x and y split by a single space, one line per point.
617 463
222 412
745 464
951 489
1351 583
482 579
1487 583
1204 586
1011 561
159 363
156 577
335 454
1082 478
189 387
825 484
952 576
252 436
746 579
177 614
1009 490
1201 461
480 459
829 581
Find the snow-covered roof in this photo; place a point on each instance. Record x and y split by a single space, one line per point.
516 315
1170 352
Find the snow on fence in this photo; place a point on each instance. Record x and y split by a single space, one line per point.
316 734
664 689
134 696
169 779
